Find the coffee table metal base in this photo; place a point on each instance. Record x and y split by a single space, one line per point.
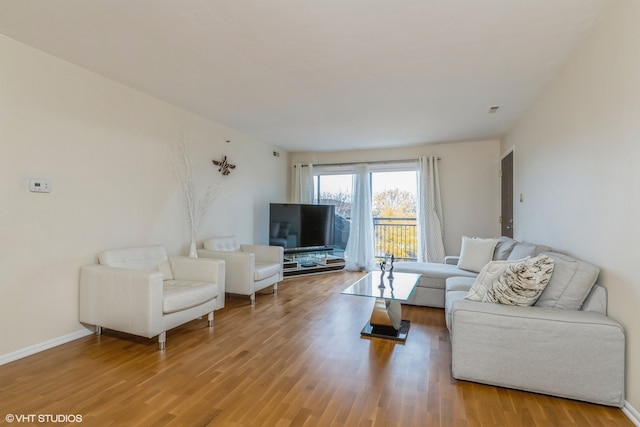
383 331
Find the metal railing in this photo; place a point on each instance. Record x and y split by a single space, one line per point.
397 237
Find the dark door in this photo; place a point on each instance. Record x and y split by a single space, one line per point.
506 185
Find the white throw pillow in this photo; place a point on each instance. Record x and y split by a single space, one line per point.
476 253
487 277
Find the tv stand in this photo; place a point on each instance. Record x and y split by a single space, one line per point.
312 260
307 249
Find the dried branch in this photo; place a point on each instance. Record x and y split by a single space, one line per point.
194 208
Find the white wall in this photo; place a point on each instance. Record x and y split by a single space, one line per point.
469 183
105 149
577 161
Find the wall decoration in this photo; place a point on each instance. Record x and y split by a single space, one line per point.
224 166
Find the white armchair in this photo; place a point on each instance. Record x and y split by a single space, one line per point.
249 268
142 291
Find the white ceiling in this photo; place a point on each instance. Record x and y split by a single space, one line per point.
316 75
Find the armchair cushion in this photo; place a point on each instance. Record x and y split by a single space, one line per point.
223 244
179 295
141 258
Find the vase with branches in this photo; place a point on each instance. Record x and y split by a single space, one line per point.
195 207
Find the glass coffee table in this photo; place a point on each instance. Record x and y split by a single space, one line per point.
386 318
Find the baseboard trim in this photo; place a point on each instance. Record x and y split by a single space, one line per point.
631 413
37 348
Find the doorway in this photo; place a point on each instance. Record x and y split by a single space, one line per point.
506 190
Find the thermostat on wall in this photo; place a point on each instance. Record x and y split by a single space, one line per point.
38 185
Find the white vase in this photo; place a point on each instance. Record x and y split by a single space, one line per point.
192 250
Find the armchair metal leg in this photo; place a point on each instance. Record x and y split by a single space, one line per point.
252 297
275 289
98 330
162 341
210 319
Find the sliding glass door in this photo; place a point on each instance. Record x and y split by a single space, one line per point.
394 214
393 189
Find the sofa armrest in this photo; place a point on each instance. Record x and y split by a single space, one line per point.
567 353
265 253
121 299
451 259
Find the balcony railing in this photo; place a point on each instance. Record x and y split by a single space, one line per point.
397 237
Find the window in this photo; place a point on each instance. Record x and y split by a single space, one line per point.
394 194
394 214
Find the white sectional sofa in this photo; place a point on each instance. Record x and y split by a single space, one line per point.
430 291
563 345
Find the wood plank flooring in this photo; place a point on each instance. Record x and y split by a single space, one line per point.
295 359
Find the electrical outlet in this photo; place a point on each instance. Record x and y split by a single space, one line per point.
38 185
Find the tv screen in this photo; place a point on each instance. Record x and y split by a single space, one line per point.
295 225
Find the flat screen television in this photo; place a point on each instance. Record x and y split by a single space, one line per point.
301 226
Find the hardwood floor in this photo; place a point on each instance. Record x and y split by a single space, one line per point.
295 359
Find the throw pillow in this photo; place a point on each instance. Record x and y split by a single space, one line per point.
570 284
522 283
524 249
503 248
487 277
476 253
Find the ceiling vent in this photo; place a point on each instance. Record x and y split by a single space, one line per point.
494 108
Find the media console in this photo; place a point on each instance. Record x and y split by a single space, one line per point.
300 261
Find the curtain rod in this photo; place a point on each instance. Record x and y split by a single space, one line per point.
377 162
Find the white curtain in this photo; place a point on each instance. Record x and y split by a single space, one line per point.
359 253
303 184
430 226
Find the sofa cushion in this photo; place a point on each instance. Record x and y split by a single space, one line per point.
458 283
596 301
570 283
179 295
476 253
503 248
433 275
522 283
487 277
524 249
266 269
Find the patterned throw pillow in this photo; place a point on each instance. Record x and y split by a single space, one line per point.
522 283
488 276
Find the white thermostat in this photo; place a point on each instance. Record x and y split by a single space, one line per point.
38 185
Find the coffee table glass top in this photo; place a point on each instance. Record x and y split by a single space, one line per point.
399 289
